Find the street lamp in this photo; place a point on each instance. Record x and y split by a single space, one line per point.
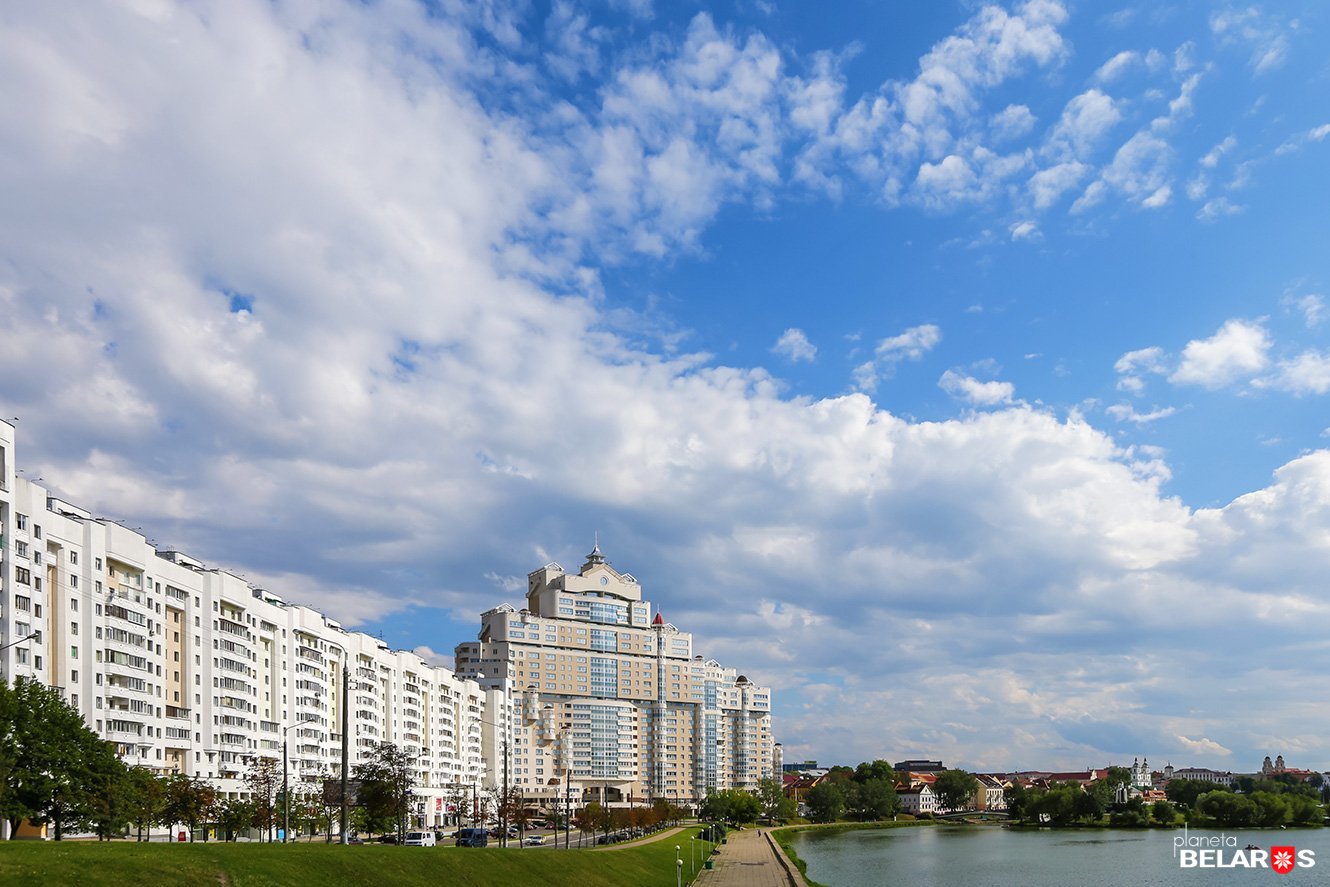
19 641
678 873
286 788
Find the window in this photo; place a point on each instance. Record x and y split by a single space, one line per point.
73 557
21 549
36 531
74 678
22 575
73 582
74 605
97 563
37 557
21 521
73 652
73 628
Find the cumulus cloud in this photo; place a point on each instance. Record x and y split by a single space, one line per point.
974 391
794 346
1305 373
1239 350
912 344
315 298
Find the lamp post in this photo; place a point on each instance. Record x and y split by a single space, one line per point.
692 855
286 788
19 641
346 753
678 872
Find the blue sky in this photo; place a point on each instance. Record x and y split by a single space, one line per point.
957 368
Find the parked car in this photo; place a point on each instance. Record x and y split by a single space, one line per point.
535 840
419 839
472 837
388 839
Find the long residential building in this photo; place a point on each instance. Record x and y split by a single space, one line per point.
582 695
607 702
193 670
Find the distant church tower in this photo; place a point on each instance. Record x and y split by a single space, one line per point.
1140 773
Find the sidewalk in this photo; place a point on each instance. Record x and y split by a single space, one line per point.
748 859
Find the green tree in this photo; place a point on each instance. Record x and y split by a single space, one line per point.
731 805
873 800
1132 813
385 788
775 806
1087 808
188 800
263 778
878 769
51 764
235 815
826 802
1018 799
1186 792
1228 809
955 789
1163 812
146 798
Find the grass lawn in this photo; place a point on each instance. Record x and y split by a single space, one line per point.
250 865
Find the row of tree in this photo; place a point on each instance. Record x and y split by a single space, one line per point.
867 793
1255 803
56 771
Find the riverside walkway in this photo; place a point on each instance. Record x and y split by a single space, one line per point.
750 859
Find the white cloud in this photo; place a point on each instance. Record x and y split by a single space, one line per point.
1125 412
912 344
1240 349
1211 159
1307 373
426 323
794 346
1084 122
1117 65
1264 35
1311 306
1131 366
1217 208
1026 230
974 391
1011 122
1048 185
1203 746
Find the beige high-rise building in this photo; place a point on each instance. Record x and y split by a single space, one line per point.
608 702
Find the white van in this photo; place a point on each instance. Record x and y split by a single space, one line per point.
419 839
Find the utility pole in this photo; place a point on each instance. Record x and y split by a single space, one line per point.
346 755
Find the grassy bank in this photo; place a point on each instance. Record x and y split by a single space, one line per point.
262 865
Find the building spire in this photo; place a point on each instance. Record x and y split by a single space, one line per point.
595 557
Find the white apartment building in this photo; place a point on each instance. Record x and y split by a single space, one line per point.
603 701
192 670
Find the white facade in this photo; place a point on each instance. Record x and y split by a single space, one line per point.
192 670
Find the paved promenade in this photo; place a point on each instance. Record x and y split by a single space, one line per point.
748 859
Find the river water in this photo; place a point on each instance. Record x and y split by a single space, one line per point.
995 856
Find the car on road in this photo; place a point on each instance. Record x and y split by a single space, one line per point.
472 837
534 840
419 839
